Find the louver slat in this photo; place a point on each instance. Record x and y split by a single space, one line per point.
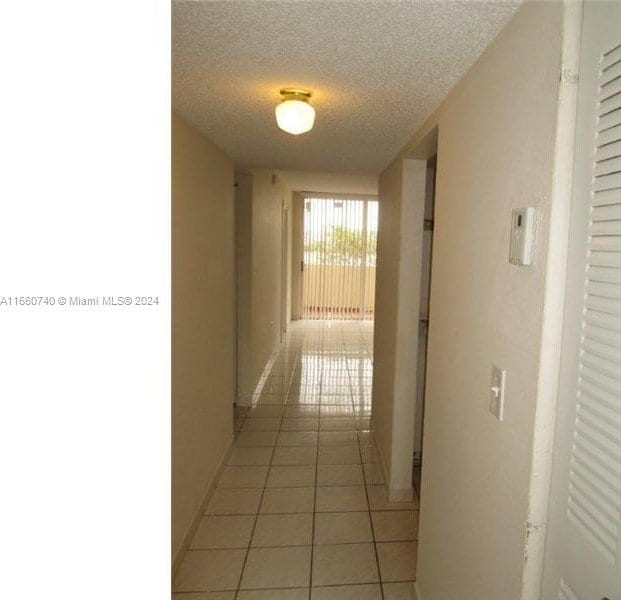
609 150
590 456
606 259
610 212
605 243
609 120
606 290
609 90
606 228
609 136
608 166
608 182
610 58
583 470
611 103
594 495
605 305
600 334
604 350
592 317
601 397
610 73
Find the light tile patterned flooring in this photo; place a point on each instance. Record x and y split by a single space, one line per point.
300 511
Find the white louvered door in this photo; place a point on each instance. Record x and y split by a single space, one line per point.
584 533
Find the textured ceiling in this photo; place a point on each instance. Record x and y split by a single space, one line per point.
377 69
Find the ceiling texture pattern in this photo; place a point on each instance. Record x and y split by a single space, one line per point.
377 70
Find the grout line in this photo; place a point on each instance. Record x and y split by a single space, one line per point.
310 579
377 562
303 587
251 547
241 573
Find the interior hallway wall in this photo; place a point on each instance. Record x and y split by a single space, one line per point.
260 199
203 320
488 311
495 153
288 199
331 183
267 203
243 239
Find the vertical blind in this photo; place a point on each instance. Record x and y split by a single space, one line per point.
340 239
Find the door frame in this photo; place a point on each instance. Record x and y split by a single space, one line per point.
284 270
552 318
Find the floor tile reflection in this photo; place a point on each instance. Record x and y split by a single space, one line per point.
300 510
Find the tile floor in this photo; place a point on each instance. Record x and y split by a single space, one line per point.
300 511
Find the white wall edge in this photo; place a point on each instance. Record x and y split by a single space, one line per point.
380 456
411 232
401 494
415 593
251 400
554 297
244 400
394 494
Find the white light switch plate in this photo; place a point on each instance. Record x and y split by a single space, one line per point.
497 392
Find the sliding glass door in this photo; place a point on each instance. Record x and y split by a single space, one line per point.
340 240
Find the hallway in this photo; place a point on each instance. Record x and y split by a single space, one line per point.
300 511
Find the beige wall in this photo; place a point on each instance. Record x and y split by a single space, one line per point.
260 199
385 330
203 376
267 201
330 183
495 153
243 235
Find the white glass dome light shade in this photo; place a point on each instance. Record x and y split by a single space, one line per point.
294 114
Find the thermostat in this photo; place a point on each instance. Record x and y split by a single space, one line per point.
522 236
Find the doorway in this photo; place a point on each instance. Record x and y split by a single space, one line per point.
338 269
423 322
284 273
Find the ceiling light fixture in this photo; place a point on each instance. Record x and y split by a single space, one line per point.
294 114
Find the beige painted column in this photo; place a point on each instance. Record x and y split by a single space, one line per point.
408 314
243 232
399 267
